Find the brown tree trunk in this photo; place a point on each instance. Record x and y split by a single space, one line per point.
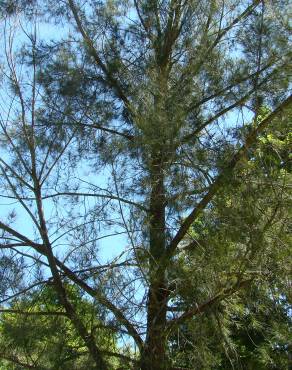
154 355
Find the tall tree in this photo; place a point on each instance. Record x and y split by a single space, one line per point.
135 120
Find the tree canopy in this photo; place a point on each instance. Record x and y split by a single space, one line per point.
145 183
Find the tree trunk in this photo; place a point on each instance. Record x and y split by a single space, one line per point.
154 355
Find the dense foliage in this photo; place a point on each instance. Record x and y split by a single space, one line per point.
234 242
35 333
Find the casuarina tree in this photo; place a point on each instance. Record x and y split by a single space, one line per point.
145 161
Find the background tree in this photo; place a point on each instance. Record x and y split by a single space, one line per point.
35 333
143 119
235 243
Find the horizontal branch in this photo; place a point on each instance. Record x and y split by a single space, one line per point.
102 128
34 313
81 194
106 267
13 245
96 195
109 130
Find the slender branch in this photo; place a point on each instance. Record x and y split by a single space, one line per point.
112 197
106 267
23 291
16 361
80 194
198 309
103 300
241 17
105 129
19 178
221 33
110 80
227 109
13 188
33 313
146 28
227 88
57 158
221 178
72 276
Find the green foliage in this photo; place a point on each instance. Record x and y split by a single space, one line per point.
236 240
49 341
144 172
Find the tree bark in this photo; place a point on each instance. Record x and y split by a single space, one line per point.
154 354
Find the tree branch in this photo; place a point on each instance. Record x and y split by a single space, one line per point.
36 313
95 293
110 80
16 361
221 178
198 309
227 109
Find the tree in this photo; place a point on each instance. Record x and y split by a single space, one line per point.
142 119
